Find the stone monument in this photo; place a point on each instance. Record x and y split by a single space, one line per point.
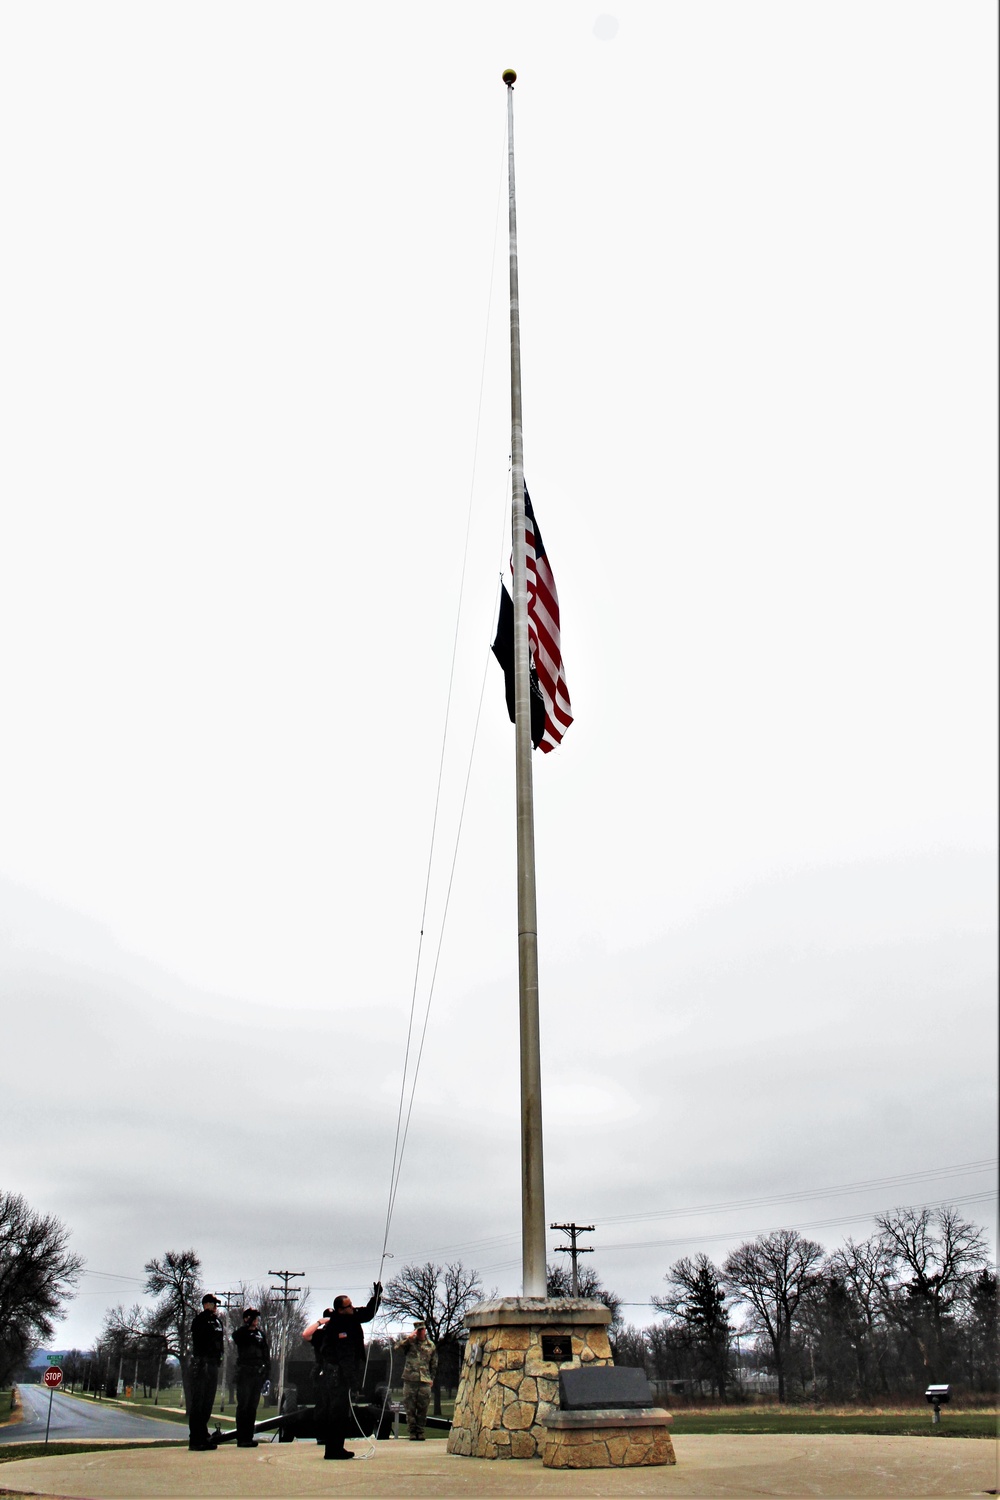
607 1419
509 1383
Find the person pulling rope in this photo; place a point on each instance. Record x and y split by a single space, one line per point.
339 1342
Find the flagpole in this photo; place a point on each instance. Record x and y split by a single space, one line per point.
533 1275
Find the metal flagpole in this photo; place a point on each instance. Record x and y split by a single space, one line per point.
532 1174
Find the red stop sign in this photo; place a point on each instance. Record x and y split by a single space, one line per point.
52 1377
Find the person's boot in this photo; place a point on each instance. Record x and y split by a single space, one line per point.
335 1449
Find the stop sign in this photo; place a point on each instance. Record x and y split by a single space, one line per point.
52 1377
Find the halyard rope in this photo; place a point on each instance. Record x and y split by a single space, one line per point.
403 1124
399 1142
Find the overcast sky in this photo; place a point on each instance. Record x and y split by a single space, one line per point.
255 385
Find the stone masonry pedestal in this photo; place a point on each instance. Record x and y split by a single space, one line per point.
612 1439
508 1385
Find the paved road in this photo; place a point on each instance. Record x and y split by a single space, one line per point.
72 1418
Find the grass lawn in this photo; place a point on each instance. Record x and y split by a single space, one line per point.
166 1410
10 1452
914 1423
8 1411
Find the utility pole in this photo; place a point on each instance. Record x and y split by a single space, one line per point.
573 1249
227 1298
287 1298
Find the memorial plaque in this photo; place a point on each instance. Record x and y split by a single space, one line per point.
557 1347
604 1386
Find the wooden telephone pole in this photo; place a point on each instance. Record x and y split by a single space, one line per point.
573 1249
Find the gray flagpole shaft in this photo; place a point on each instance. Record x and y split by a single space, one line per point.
532 1173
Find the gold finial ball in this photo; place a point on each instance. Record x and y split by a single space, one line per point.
509 77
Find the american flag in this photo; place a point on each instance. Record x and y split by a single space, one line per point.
543 634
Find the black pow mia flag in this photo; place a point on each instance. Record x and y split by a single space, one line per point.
503 650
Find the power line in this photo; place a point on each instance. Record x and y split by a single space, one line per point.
346 1268
735 1234
696 1238
800 1195
803 1194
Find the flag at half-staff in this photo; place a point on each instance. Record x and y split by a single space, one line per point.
550 706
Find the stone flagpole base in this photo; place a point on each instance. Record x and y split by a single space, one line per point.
510 1377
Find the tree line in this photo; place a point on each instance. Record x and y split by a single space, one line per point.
153 1344
913 1304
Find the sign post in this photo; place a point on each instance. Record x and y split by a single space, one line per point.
52 1377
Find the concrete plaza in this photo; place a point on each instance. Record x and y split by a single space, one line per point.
824 1466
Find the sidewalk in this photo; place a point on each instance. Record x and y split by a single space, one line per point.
825 1467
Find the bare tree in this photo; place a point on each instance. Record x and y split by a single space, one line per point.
176 1280
273 1317
933 1256
669 1352
629 1346
696 1300
771 1275
74 1365
122 1335
37 1273
440 1296
863 1270
559 1283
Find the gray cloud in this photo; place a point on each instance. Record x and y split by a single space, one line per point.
766 1044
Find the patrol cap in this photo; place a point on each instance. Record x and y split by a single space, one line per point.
249 1313
420 1323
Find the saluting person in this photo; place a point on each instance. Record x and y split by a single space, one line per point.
253 1367
419 1370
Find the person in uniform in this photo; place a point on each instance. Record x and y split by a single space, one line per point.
207 1336
339 1343
253 1367
312 1337
419 1370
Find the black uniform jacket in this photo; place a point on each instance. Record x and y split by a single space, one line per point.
207 1335
252 1352
341 1340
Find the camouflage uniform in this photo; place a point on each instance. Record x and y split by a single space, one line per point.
418 1377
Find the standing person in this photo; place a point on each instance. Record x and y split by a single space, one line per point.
313 1336
207 1336
419 1370
340 1344
253 1367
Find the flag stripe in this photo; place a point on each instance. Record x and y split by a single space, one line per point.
544 638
